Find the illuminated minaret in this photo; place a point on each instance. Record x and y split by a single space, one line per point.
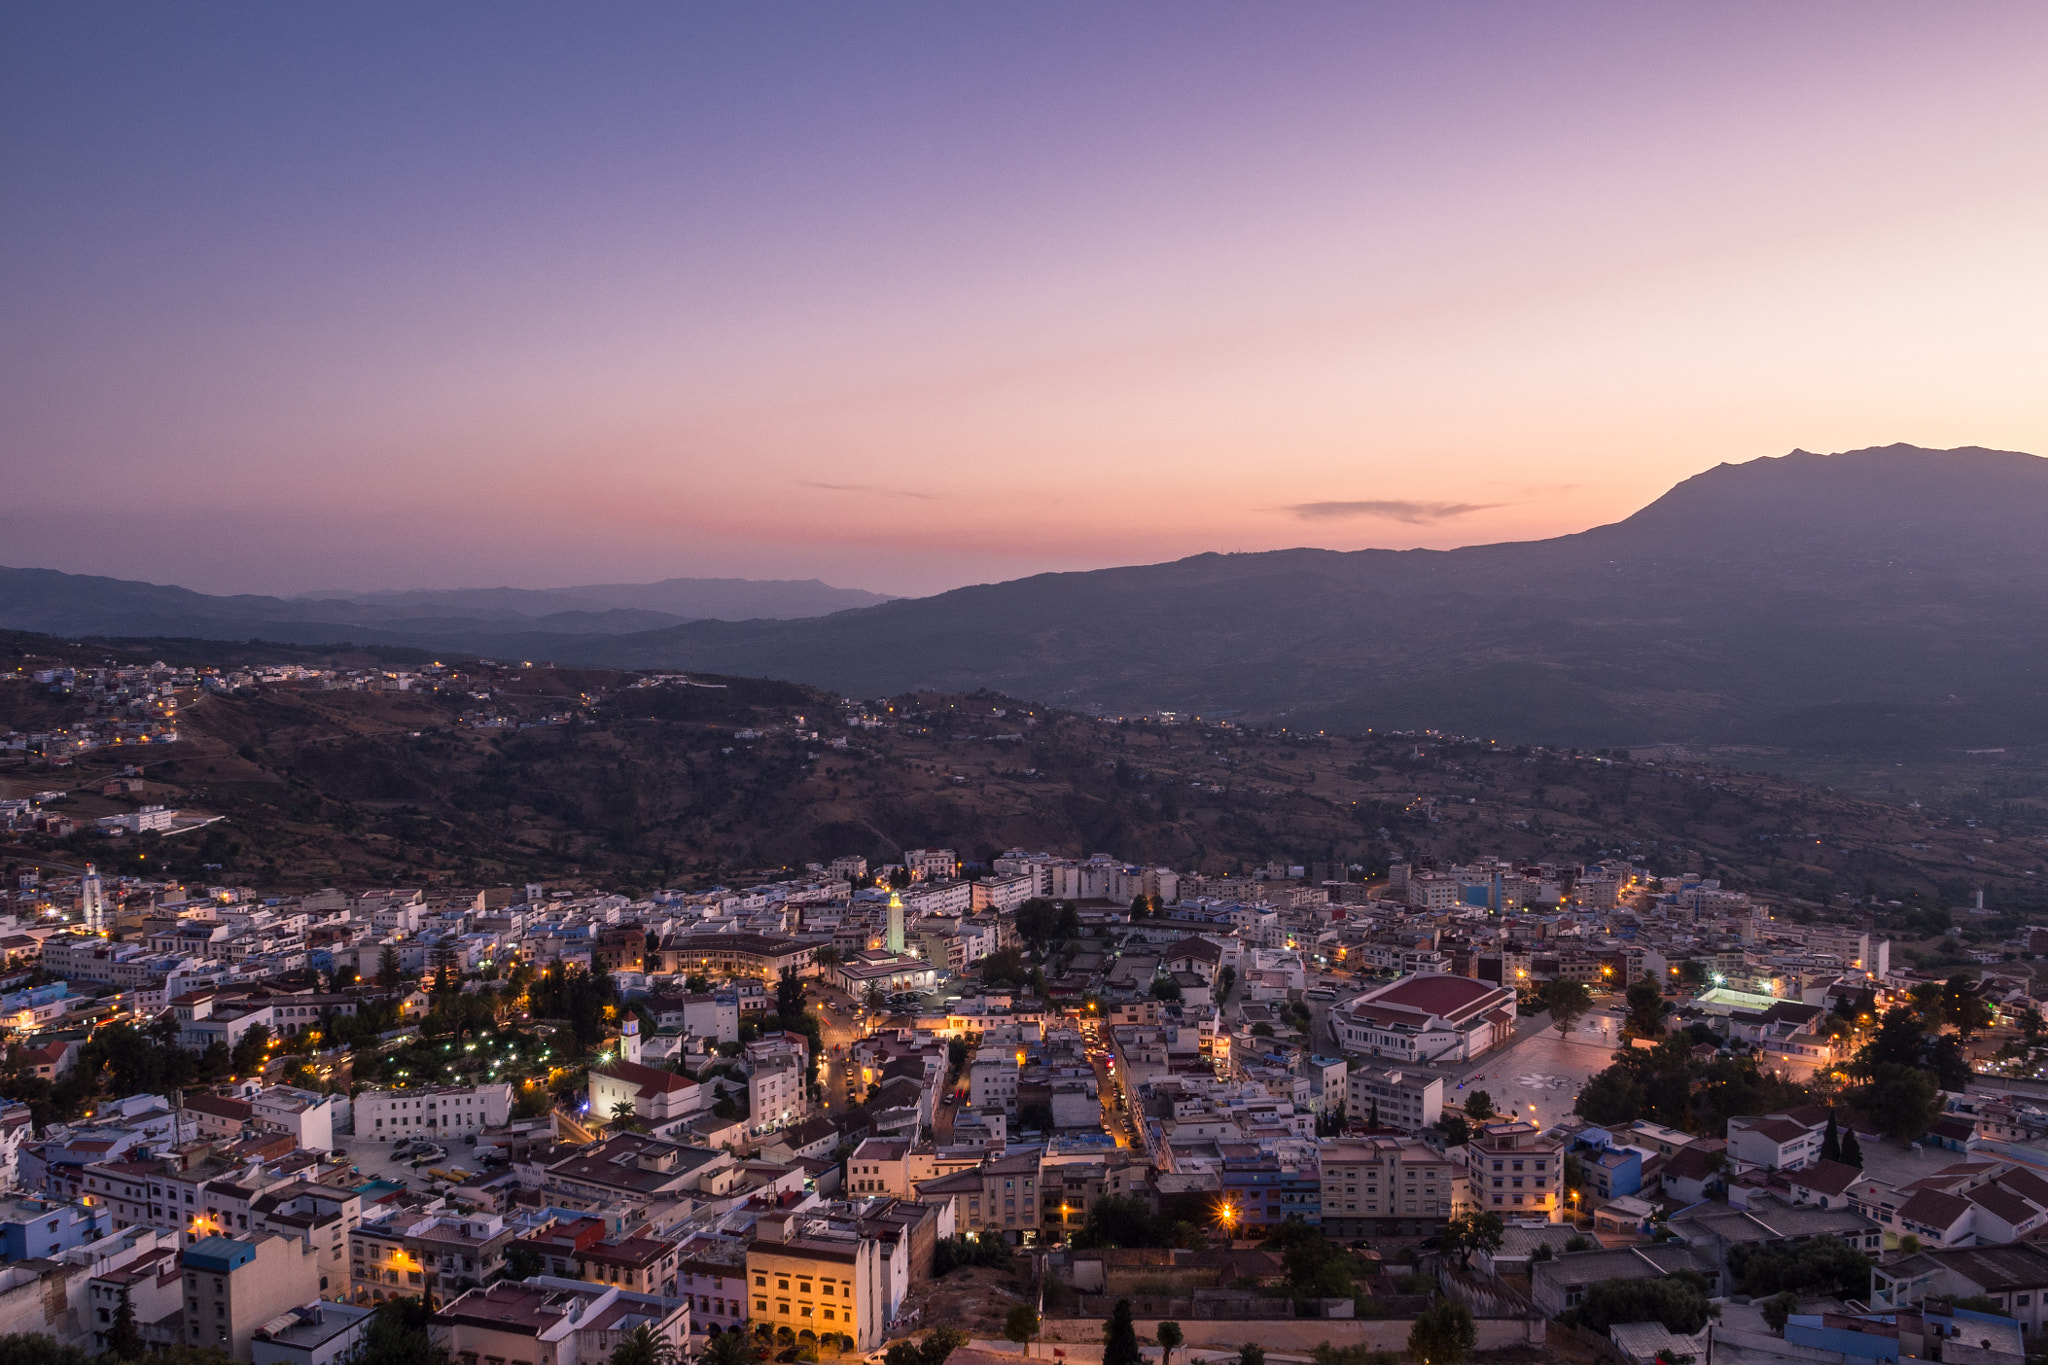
92 901
895 944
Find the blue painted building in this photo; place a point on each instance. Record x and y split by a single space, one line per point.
46 1228
1264 1194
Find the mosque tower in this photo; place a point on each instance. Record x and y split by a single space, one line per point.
92 900
895 943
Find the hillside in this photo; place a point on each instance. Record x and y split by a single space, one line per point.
1881 603
649 786
44 600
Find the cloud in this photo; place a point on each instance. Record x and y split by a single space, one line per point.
1389 510
867 488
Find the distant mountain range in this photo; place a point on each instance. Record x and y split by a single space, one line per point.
1891 598
479 618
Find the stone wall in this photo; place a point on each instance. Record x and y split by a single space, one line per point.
1081 1338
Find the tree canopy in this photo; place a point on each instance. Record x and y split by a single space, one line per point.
1120 1337
1822 1265
1567 1002
1678 1301
1443 1333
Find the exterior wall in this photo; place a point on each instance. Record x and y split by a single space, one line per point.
231 1306
788 1283
1514 1171
1081 1338
1404 1100
432 1113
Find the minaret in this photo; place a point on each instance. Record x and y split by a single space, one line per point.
895 943
92 901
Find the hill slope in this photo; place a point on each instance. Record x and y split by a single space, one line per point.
82 604
1869 585
684 784
1879 601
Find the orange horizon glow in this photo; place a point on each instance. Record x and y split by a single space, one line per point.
914 299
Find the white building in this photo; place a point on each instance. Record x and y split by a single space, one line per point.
307 1115
433 1111
776 1096
1426 1019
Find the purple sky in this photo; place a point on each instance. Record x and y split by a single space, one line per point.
904 296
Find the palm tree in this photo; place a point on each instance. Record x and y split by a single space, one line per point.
624 1114
644 1346
730 1347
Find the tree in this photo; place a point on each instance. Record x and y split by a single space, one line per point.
732 1347
1443 1333
986 1249
1852 1150
1479 1106
1777 1309
1120 1337
1168 1337
123 1340
789 995
1456 1131
1905 1100
1038 923
1225 980
1316 1267
1123 1221
1610 1096
1470 1232
1824 1265
1251 1353
1678 1301
522 1262
251 1051
1831 1141
1022 1324
1141 907
33 1348
939 1343
645 1346
1004 967
1964 1005
389 972
1567 1002
1645 1009
623 1114
1166 988
397 1335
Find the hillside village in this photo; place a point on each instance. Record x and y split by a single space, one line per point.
789 1109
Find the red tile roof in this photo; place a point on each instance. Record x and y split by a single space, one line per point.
652 1080
1440 995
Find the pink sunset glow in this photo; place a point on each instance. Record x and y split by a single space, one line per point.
906 297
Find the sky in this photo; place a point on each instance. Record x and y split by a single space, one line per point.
907 296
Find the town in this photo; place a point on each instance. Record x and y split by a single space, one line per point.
1294 1105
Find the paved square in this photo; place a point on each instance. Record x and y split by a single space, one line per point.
1538 1076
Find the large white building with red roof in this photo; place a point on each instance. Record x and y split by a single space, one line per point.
658 1096
1426 1018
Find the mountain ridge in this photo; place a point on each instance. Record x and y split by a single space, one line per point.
1747 595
